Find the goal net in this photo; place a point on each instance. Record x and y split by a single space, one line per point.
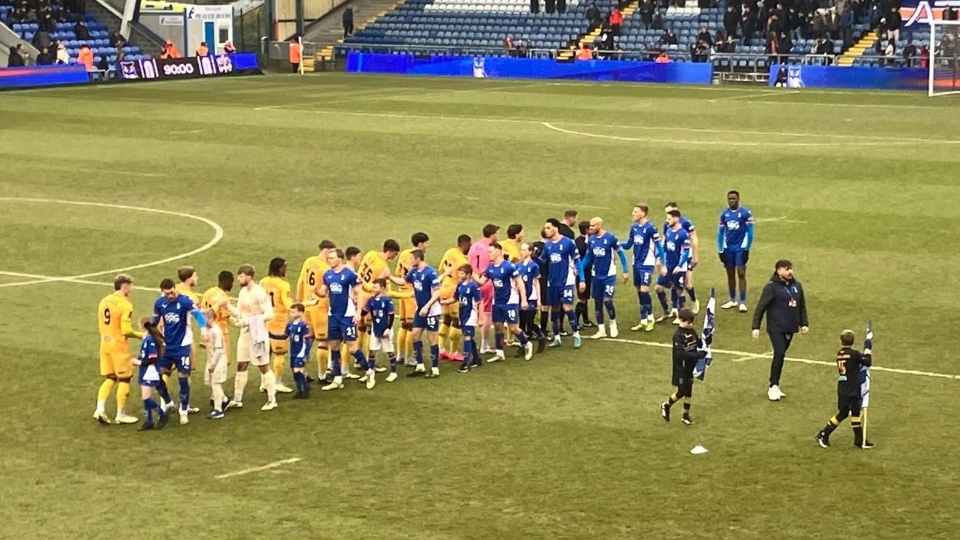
944 68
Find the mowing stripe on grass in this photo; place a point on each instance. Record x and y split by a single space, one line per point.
268 466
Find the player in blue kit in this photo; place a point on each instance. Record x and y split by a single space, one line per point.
174 309
529 271
560 254
426 293
674 264
380 309
342 287
301 338
468 299
647 250
151 349
734 239
508 299
694 254
601 245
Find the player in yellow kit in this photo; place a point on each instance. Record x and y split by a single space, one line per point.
407 304
188 280
511 246
276 286
453 259
212 299
114 316
316 308
374 265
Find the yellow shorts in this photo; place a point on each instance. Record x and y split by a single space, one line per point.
452 310
279 347
317 319
408 309
116 364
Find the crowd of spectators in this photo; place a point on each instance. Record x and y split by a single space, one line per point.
46 13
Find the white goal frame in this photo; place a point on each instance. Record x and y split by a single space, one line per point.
937 29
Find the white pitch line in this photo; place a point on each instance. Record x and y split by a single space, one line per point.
218 235
268 466
744 354
43 278
754 95
751 357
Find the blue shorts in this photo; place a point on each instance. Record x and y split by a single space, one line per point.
532 305
562 295
431 323
672 281
468 331
142 374
603 287
297 362
642 276
341 329
176 358
509 314
735 258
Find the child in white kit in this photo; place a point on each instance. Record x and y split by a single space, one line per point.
216 373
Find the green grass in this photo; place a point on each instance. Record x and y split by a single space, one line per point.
858 189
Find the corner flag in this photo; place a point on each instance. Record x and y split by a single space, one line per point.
707 336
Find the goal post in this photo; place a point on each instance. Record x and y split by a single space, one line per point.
943 77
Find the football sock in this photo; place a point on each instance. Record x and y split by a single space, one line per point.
239 383
434 356
733 293
184 394
323 361
402 341
456 339
646 305
270 383
686 406
163 391
662 297
123 390
672 399
574 325
643 314
335 362
104 393
498 339
467 352
392 358
358 356
555 316
418 352
692 293
522 338
166 379
148 410
743 297
611 309
681 299
278 361
598 311
831 425
674 299
300 382
476 354
442 335
409 344
544 320
218 397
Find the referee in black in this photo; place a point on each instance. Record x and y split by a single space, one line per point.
849 361
783 302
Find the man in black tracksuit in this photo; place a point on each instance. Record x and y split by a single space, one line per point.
782 300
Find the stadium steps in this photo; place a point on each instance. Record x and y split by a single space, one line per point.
858 48
148 46
328 31
589 37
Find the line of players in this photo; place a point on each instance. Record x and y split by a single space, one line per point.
342 299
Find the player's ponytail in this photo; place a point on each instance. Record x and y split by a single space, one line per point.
157 336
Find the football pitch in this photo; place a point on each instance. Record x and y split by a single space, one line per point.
858 189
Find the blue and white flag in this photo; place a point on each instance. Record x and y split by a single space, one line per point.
707 336
865 371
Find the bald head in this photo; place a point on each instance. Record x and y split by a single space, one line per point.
596 225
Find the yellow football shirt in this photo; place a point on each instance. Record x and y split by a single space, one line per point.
279 291
511 250
115 313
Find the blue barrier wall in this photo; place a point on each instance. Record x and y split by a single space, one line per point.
530 68
860 77
22 77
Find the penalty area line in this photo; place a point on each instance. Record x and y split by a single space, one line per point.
744 355
266 467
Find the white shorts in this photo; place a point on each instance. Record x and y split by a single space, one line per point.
219 375
245 351
381 344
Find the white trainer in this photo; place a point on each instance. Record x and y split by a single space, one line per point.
729 305
743 308
528 351
780 392
696 307
125 419
337 384
283 389
773 393
184 419
371 379
614 331
601 332
349 375
392 376
269 406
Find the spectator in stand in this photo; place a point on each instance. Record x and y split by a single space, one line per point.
794 24
704 36
699 51
347 20
550 6
116 40
593 16
508 46
893 24
847 21
910 53
121 56
15 60
647 8
202 49
294 54
890 52
831 24
662 58
228 48
561 6
730 46
924 57
169 51
668 38
42 40
657 22
748 24
707 4
534 6
47 24
718 39
731 19
45 58
85 56
62 56
773 48
615 20
584 53
81 30
103 66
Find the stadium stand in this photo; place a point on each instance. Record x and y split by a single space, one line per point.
64 32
